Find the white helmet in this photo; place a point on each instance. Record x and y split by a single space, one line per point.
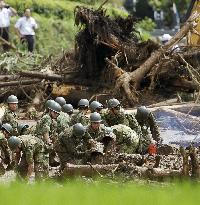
166 37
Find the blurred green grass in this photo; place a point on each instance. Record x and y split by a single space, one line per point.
99 193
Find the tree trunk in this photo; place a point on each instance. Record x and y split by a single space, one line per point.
72 170
18 82
131 81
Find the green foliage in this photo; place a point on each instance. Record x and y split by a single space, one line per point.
12 62
145 26
99 193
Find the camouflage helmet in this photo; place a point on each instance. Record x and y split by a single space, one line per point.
83 103
79 130
142 112
22 126
54 106
12 99
7 127
113 103
61 101
48 103
14 142
95 105
95 117
68 108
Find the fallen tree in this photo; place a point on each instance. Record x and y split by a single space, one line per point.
109 57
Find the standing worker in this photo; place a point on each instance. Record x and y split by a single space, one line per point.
10 115
5 13
25 28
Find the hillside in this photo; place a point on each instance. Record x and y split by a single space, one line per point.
56 21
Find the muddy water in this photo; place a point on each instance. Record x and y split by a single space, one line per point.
178 129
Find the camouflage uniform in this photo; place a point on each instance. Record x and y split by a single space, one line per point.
146 139
63 121
32 153
127 140
101 144
79 117
123 118
96 134
115 119
5 153
45 126
11 118
70 148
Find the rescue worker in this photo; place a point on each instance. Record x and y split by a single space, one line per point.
147 121
98 134
23 129
96 106
61 101
95 129
46 129
63 119
80 117
10 114
68 108
29 156
6 156
116 115
72 145
127 140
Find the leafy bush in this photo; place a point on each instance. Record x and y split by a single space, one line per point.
145 26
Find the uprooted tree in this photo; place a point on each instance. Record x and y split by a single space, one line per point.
112 48
109 56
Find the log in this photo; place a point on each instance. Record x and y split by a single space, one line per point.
8 43
74 78
8 77
33 74
72 170
16 83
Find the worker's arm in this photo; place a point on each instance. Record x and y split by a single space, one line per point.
30 170
17 28
154 128
35 25
30 160
13 11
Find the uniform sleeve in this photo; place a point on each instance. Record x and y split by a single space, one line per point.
154 128
44 126
9 118
29 155
133 123
5 150
18 24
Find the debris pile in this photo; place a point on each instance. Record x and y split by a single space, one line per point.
109 57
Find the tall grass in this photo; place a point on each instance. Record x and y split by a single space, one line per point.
99 193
